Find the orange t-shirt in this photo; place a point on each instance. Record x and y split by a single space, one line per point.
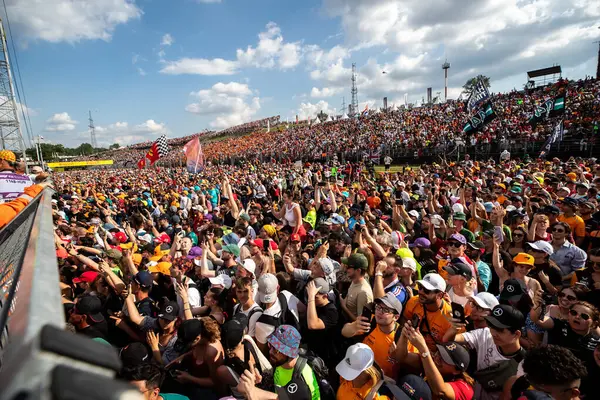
373 202
575 222
438 321
348 392
380 343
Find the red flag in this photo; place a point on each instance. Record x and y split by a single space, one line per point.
142 163
194 156
153 155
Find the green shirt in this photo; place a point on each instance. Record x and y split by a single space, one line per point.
173 396
283 376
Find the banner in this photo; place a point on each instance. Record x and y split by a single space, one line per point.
557 135
480 119
478 96
549 108
63 164
194 156
142 163
159 149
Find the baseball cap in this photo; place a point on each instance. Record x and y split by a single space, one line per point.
134 354
162 267
169 311
504 316
457 267
359 357
390 300
87 276
485 300
413 213
489 206
397 238
411 387
260 243
524 258
356 260
194 252
410 263
231 238
91 306
322 283
542 245
459 216
232 332
159 251
144 279
231 249
62 253
336 219
221 280
477 245
421 243
433 281
120 236
114 254
286 340
550 210
294 237
454 354
249 265
512 291
458 237
267 288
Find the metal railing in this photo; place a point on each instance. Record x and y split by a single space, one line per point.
39 359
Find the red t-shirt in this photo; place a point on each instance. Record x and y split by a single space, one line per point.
462 390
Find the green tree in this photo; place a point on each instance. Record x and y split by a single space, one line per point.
322 116
470 84
85 148
114 146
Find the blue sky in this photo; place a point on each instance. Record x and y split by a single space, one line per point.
149 67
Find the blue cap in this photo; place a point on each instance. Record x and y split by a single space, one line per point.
144 279
231 238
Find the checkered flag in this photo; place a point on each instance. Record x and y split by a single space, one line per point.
159 149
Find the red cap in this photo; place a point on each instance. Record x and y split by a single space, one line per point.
164 238
120 236
87 276
294 237
362 193
260 243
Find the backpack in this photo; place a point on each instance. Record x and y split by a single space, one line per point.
321 373
389 386
286 317
493 378
238 309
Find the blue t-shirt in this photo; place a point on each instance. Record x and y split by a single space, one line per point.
214 193
173 396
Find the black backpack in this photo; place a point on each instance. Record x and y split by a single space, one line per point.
321 373
286 317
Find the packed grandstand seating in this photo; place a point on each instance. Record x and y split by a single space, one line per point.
429 129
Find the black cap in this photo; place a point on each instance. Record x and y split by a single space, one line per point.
134 354
505 317
232 332
169 311
91 306
189 330
477 245
513 290
454 354
412 387
570 201
550 210
457 267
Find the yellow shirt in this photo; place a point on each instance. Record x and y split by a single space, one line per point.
347 391
380 343
437 321
575 222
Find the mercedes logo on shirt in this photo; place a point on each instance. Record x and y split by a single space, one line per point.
292 388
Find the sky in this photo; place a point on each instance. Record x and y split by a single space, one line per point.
150 67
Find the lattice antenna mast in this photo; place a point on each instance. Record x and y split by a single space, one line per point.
354 91
11 137
92 132
343 105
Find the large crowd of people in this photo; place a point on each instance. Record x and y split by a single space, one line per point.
470 280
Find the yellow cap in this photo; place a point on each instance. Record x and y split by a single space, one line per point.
8 156
162 267
523 258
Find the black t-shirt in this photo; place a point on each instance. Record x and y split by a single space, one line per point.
228 219
98 330
321 341
322 215
581 346
554 274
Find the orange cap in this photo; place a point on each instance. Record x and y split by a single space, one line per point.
524 258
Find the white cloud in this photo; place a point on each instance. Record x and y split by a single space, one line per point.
125 134
141 71
68 20
230 104
271 51
324 92
200 66
310 110
60 122
167 40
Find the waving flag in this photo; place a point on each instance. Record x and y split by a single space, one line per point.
159 149
549 108
194 156
482 117
557 135
477 97
142 163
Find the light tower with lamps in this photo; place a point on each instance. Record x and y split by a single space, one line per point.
446 67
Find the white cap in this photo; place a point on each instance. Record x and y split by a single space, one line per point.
221 280
397 237
267 288
414 213
249 265
485 300
359 357
458 208
433 281
410 263
566 189
542 245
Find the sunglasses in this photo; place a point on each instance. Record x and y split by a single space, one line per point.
425 290
568 296
583 316
558 230
454 244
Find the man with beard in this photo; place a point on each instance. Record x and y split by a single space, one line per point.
87 318
284 345
387 280
359 292
226 264
430 310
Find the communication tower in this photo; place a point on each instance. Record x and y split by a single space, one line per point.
92 132
354 91
446 67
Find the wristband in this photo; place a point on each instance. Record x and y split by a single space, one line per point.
378 274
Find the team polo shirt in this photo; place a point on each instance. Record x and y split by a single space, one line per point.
347 391
438 321
380 343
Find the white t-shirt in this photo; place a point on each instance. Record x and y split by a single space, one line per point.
487 355
193 296
263 330
455 298
252 321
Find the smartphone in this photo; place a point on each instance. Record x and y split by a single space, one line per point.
266 245
458 312
415 321
173 373
321 183
367 313
399 202
498 233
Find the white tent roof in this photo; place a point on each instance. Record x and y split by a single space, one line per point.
316 121
394 108
344 116
329 119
